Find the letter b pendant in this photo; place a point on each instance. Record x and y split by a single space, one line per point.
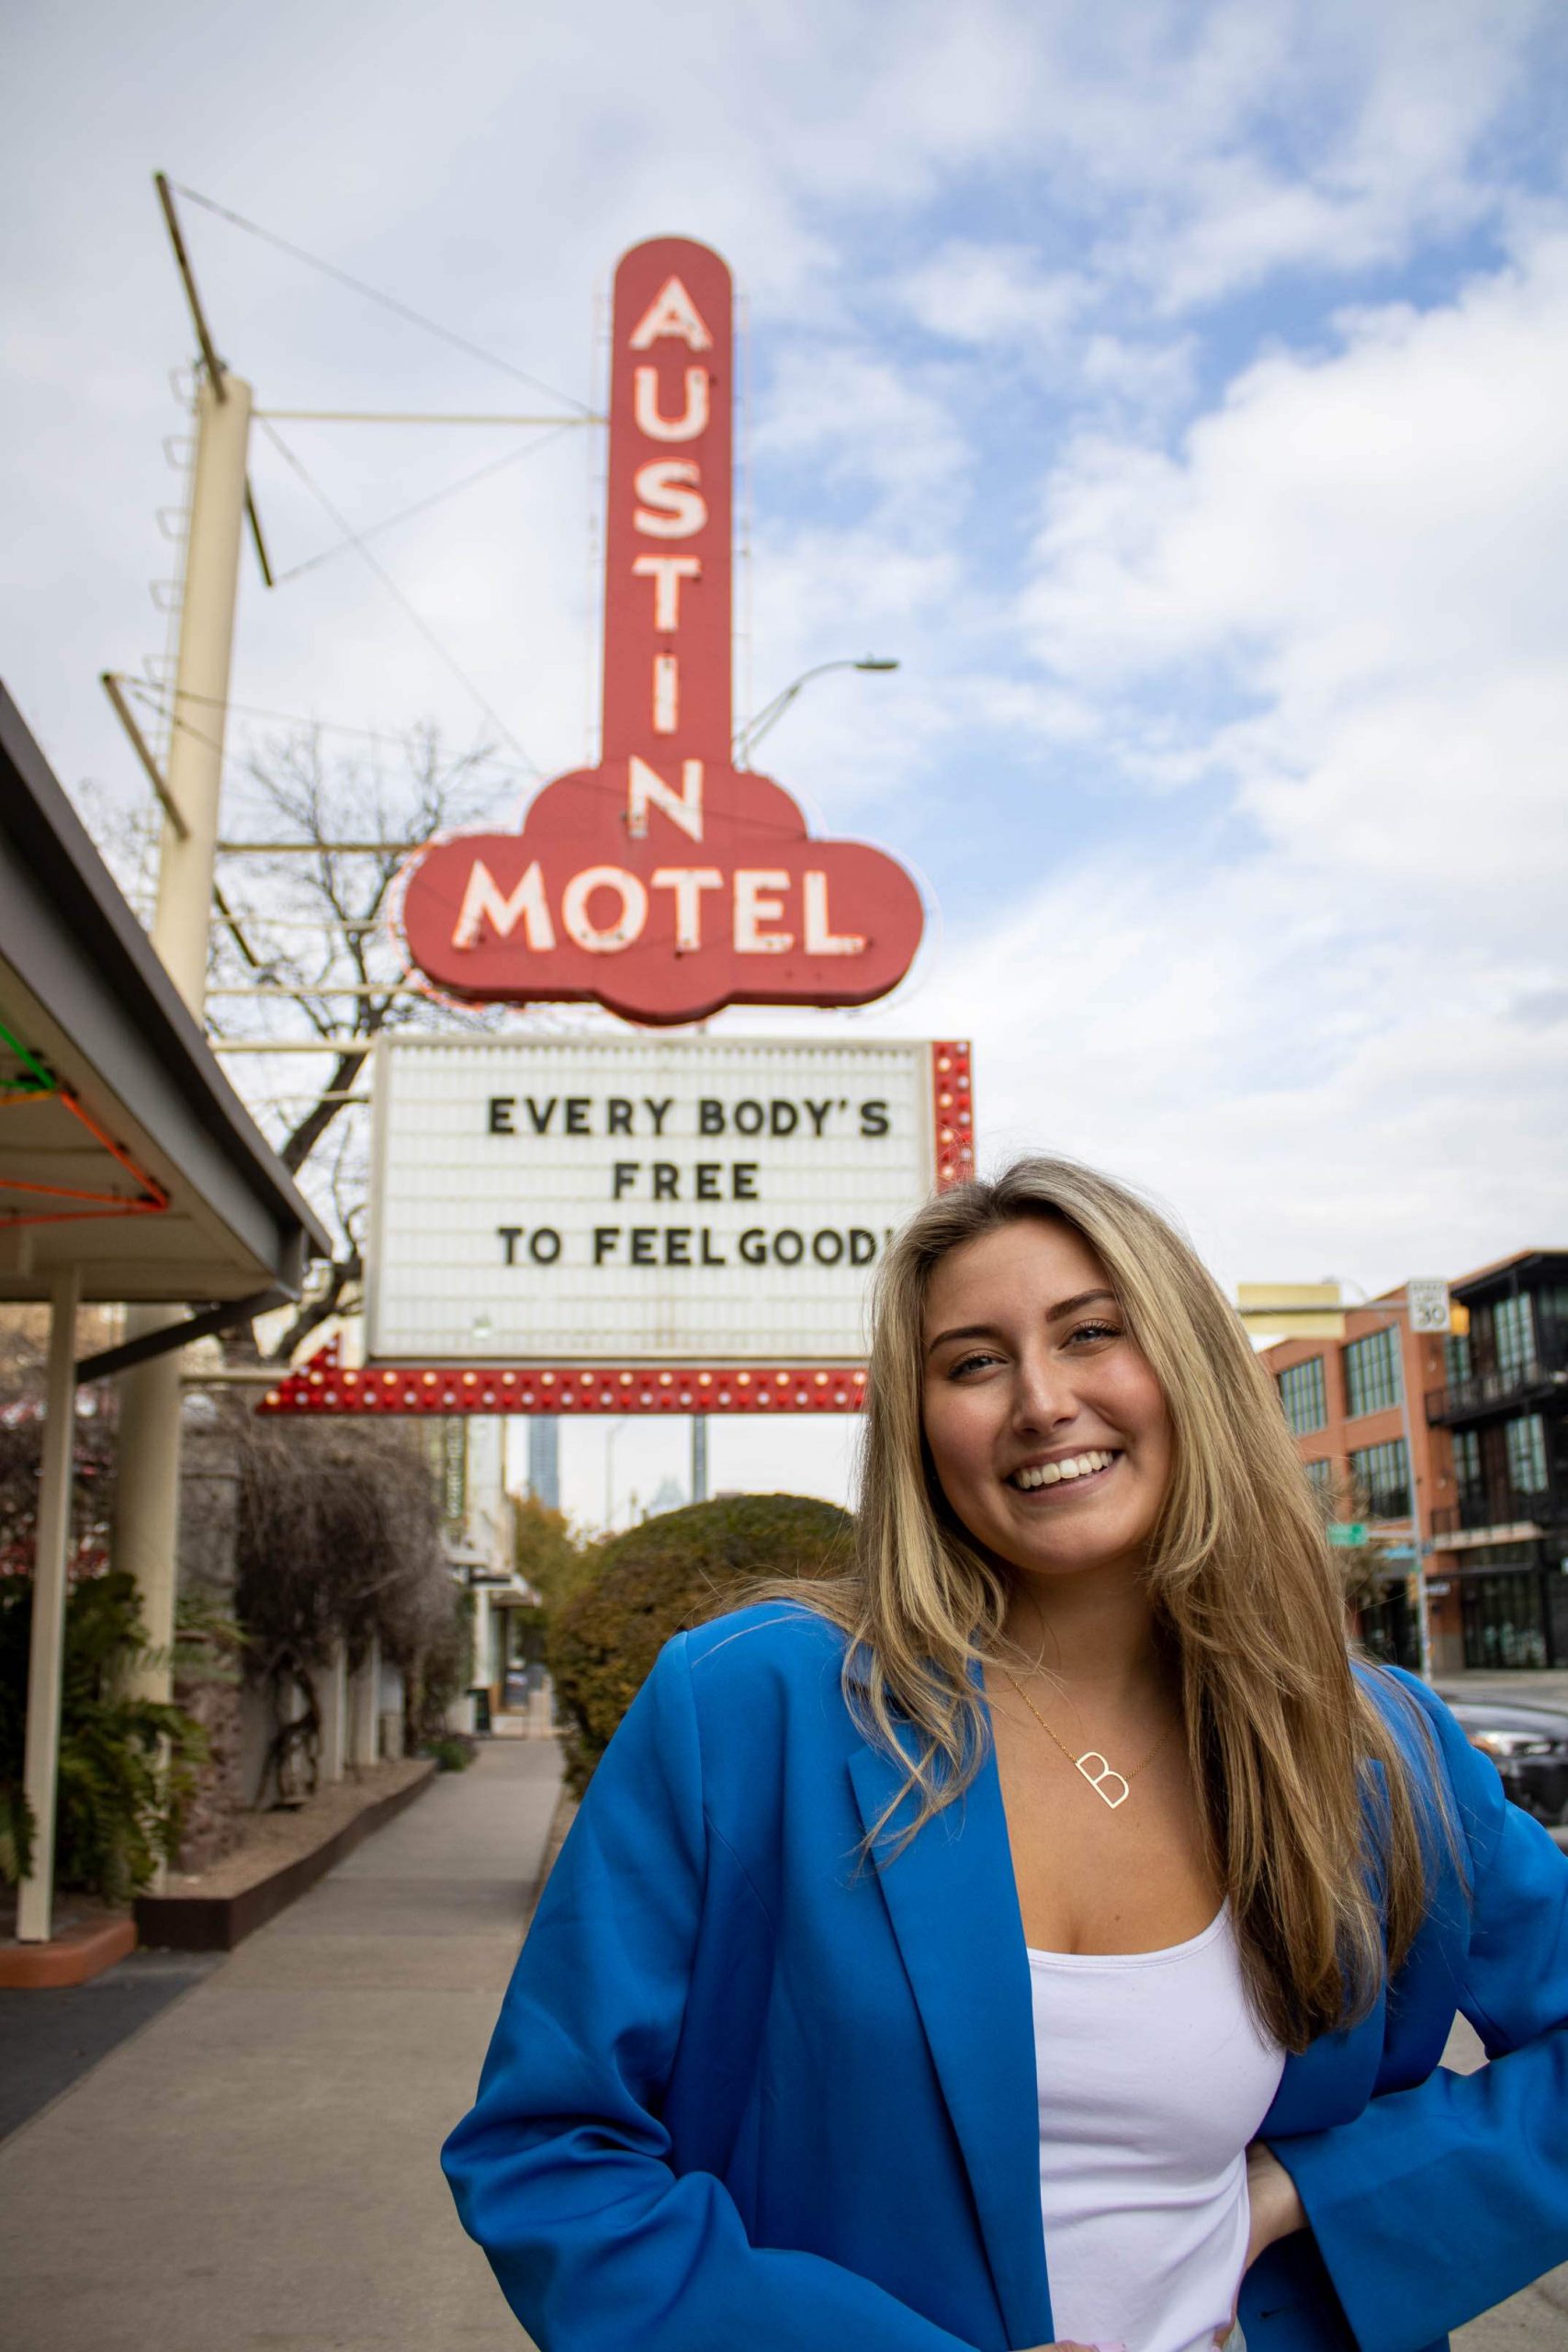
1100 1780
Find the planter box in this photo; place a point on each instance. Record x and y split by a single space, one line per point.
219 1922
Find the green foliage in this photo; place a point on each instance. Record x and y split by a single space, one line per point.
450 1754
125 1763
657 1579
547 1551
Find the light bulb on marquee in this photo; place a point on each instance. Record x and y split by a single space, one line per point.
666 882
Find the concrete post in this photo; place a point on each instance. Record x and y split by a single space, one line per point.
40 1766
332 1683
483 1669
699 1457
364 1709
147 1505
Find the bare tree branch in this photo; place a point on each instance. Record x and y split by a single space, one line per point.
316 925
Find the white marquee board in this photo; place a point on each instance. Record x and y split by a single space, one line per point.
637 1201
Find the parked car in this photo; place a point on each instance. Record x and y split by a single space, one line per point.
1527 1745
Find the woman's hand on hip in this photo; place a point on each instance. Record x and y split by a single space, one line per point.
1276 2211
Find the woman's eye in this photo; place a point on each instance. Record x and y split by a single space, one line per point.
1098 1331
967 1364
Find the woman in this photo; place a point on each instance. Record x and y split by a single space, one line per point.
1043 1935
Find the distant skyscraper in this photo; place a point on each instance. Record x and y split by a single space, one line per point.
544 1460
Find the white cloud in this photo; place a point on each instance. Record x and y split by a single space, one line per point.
1371 552
1355 1026
971 293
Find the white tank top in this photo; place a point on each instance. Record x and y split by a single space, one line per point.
1153 2077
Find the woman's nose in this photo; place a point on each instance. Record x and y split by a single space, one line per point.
1043 1393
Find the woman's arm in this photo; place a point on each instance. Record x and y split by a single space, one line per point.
561 2170
1438 2201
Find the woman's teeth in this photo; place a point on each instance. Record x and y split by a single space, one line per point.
1076 1465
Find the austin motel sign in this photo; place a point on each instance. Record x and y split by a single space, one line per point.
666 882
663 884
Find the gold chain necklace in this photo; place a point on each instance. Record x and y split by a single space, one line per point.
1099 1780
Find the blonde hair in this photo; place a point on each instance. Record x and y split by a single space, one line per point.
1320 1852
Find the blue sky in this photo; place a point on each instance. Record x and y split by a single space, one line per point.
1180 393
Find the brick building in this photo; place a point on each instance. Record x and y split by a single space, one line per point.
1344 1401
1488 1418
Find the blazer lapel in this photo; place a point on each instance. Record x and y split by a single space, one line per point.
953 1904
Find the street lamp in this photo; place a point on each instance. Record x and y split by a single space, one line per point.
749 735
611 1434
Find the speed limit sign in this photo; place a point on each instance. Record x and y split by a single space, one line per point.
1428 1305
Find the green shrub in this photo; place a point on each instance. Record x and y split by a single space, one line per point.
669 1574
451 1754
125 1763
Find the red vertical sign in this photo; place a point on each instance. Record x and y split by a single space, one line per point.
667 582
665 882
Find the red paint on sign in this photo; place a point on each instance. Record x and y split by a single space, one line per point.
665 882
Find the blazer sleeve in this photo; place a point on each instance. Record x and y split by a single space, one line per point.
1438 2201
562 2170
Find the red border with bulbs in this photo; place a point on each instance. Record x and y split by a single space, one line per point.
323 1383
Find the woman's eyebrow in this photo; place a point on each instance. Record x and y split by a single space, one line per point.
962 1331
1071 1306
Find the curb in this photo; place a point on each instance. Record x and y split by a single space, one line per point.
219 1922
74 1957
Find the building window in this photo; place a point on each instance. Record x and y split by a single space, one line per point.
1371 1373
1320 1477
1513 1332
1467 1460
1526 1455
1303 1396
1459 1361
1381 1474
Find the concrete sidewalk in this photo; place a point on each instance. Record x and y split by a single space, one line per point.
256 2170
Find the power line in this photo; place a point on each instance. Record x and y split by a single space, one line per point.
374 294
420 506
159 697
411 416
397 595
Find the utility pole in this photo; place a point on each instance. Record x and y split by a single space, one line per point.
147 1506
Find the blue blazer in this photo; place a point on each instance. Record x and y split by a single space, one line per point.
740 2100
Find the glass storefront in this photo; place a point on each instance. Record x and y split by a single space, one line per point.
1507 1622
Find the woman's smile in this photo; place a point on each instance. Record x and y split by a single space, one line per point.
1065 1475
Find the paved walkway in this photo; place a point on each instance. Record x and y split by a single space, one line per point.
256 2170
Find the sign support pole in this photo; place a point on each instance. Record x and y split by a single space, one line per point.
146 1528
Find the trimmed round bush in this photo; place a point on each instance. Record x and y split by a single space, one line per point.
670 1573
